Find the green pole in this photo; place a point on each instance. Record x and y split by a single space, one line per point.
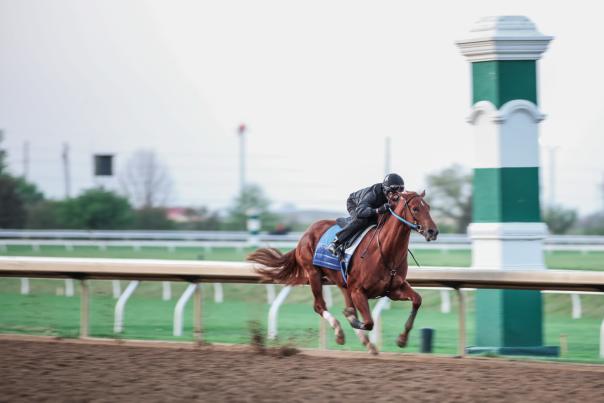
506 230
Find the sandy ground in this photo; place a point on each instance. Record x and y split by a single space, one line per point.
35 369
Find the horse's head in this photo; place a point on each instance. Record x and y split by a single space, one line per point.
413 208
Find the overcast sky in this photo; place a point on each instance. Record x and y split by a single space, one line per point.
320 84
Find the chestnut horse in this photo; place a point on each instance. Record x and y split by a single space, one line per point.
377 269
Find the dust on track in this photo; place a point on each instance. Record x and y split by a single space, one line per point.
46 369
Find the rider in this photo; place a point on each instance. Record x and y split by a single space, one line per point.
364 205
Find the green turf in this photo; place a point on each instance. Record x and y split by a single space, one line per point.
46 311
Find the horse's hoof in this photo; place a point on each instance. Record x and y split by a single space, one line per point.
372 350
340 339
401 342
357 324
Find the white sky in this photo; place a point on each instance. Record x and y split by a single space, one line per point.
320 85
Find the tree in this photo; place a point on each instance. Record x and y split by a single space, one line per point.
96 209
3 164
12 208
201 219
593 224
152 218
145 180
450 196
251 198
44 215
29 192
558 219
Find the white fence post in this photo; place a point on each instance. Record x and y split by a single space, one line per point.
576 301
117 288
274 312
118 325
375 336
180 307
69 287
166 293
24 286
270 293
218 294
445 301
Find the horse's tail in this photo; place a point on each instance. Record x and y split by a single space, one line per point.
281 268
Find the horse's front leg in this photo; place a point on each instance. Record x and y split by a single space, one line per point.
406 293
360 302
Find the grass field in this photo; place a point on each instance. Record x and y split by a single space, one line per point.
46 311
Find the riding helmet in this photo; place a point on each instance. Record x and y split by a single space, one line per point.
393 182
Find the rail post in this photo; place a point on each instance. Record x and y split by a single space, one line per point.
84 309
322 334
197 334
461 349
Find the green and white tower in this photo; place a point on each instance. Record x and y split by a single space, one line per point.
506 230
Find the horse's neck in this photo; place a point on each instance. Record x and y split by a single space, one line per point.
395 241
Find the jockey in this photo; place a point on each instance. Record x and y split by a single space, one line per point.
364 206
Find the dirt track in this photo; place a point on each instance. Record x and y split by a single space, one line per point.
69 371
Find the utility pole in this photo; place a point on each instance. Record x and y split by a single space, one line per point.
25 159
602 190
387 157
241 133
66 173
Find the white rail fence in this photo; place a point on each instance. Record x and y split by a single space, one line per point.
196 272
238 239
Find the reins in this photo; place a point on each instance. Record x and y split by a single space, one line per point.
413 226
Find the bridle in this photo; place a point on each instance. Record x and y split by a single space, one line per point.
413 225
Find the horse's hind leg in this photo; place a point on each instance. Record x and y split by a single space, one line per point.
407 293
314 277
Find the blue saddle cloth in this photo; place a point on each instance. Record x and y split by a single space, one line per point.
323 257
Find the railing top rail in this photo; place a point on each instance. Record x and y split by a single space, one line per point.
239 235
240 272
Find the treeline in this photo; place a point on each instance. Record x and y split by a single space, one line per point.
145 183
22 205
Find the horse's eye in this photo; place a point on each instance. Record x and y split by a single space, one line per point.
415 209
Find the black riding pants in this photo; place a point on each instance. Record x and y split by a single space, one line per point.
355 226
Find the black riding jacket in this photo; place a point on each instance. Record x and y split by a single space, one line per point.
365 201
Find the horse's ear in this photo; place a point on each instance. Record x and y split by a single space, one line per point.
423 193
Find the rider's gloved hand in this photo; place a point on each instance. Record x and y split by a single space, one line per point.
382 209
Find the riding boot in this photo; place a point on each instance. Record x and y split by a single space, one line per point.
355 226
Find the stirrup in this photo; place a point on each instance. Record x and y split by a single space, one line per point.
333 248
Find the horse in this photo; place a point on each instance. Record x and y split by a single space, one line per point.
377 269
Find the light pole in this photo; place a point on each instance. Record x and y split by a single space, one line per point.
387 157
241 133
